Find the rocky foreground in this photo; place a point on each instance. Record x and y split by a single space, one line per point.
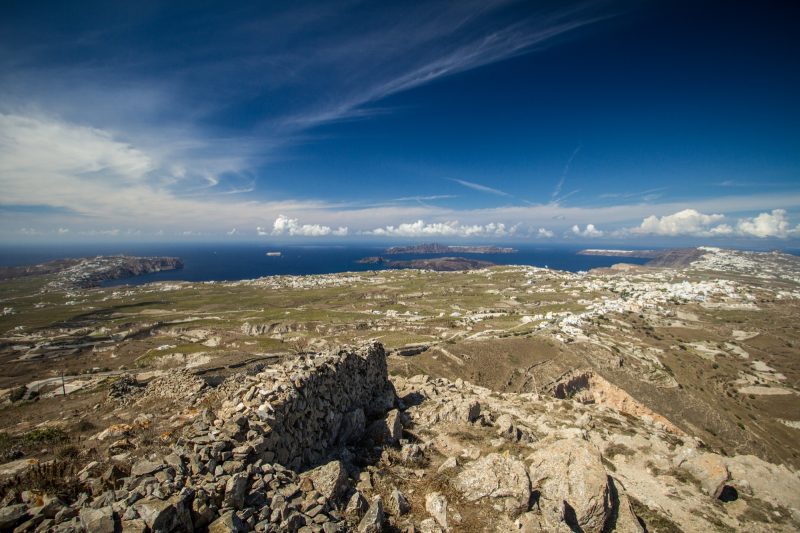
327 442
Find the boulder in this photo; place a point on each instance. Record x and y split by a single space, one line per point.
136 525
167 515
766 481
357 504
398 503
97 520
450 463
387 430
11 515
459 410
227 523
372 522
626 520
145 467
429 525
329 480
499 478
573 484
708 468
235 490
411 453
436 505
50 507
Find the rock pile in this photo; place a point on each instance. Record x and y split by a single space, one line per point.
325 443
236 469
525 462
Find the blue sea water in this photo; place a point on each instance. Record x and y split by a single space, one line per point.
228 262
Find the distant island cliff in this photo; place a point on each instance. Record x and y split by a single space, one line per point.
442 264
435 248
669 258
86 272
643 254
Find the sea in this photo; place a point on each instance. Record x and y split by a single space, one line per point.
230 262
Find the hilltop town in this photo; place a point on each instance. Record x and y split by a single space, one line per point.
506 398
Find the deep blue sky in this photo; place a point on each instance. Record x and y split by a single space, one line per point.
525 121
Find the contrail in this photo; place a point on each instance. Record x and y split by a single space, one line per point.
564 173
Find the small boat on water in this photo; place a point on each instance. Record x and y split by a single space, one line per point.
273 254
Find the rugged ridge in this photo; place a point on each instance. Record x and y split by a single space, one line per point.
92 271
435 248
441 264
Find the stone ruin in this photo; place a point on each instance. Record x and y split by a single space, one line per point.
238 468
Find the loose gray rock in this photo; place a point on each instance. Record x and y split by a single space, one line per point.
436 505
387 430
398 503
573 483
626 520
227 523
449 464
235 490
498 477
12 515
357 504
134 526
429 525
145 467
329 480
167 515
372 522
708 468
97 520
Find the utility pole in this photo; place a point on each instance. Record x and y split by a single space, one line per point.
63 386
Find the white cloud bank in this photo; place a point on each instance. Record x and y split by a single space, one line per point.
764 225
690 222
544 233
686 222
292 226
444 229
590 231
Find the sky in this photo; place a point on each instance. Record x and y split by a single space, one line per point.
638 122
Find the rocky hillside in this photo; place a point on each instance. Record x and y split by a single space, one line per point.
92 271
327 442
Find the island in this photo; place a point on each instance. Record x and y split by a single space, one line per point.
642 254
669 258
86 272
435 248
441 264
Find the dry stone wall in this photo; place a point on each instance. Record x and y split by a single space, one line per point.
237 466
292 414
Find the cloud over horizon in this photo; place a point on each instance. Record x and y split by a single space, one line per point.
326 121
690 222
284 225
589 231
443 229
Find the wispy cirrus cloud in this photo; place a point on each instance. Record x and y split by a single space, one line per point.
281 71
429 198
480 188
